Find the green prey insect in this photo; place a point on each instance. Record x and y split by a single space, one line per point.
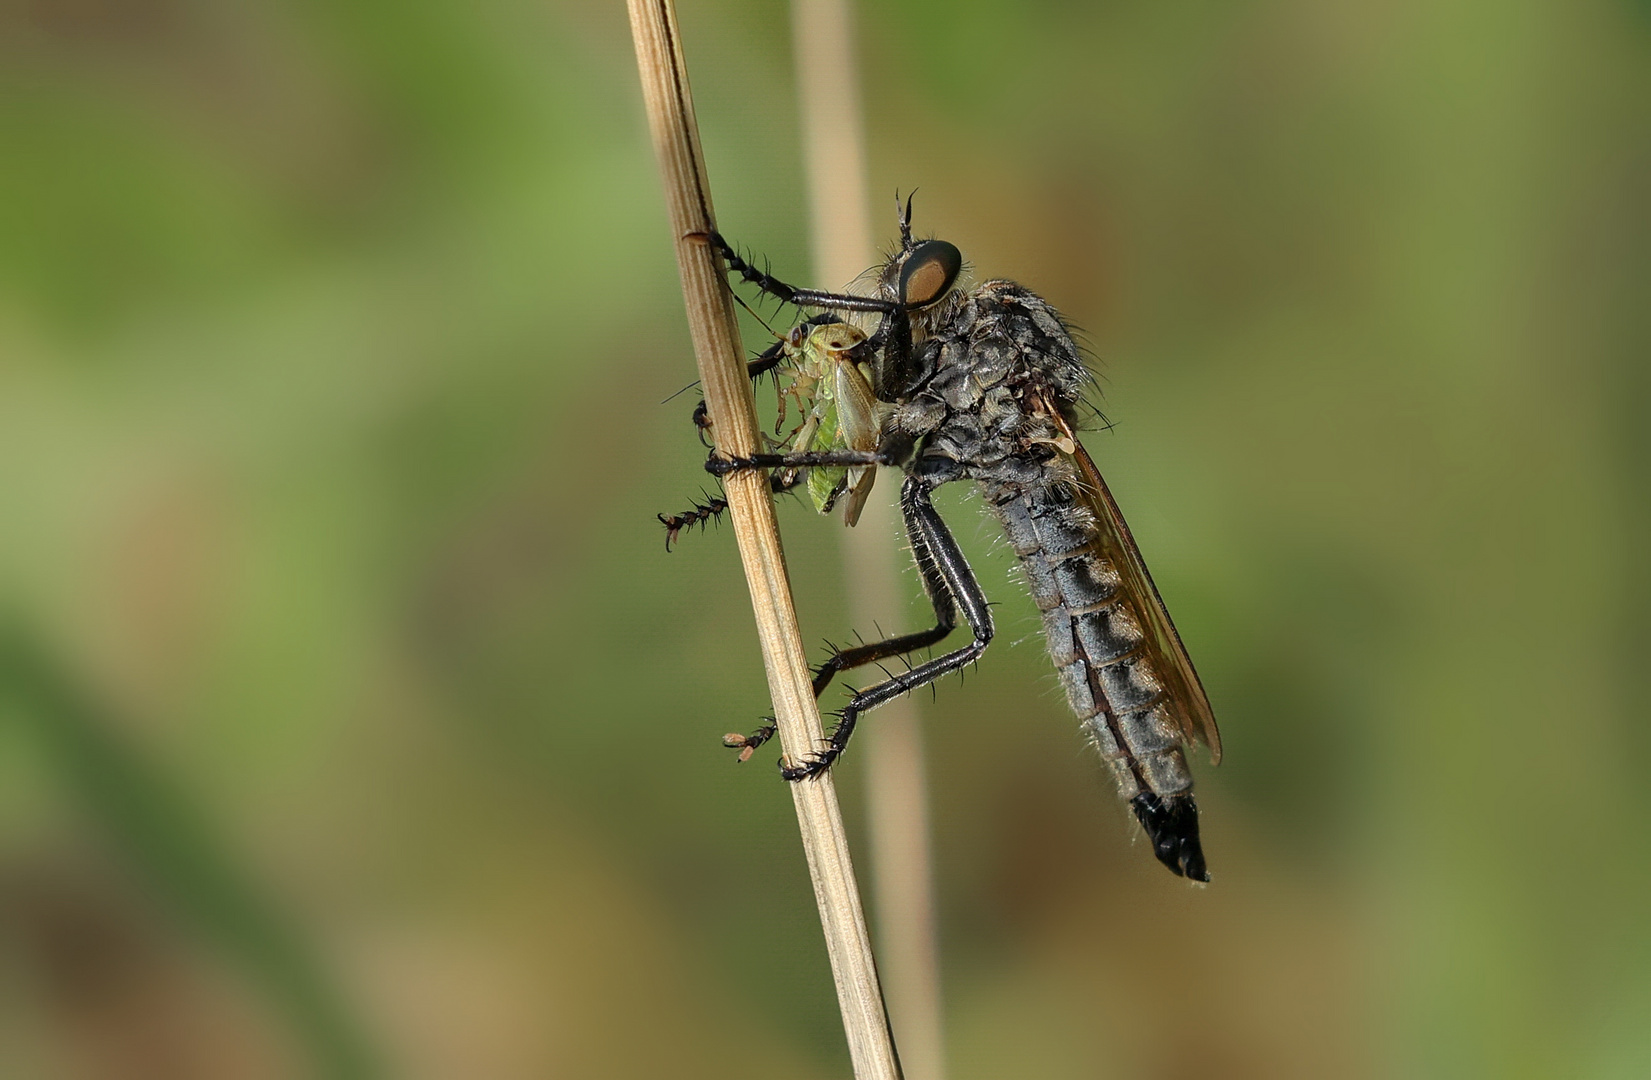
831 385
822 366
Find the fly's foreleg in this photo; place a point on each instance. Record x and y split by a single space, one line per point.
921 521
790 294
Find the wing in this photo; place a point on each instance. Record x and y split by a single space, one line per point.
860 427
1169 656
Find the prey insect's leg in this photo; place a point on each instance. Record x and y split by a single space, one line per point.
923 520
712 508
755 368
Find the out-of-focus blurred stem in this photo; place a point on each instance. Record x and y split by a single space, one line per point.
897 787
728 397
168 845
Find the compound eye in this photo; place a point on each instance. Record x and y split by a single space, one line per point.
929 272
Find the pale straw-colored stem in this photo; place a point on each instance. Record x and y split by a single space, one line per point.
728 396
833 131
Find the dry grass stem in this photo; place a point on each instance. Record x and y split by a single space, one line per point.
728 397
897 803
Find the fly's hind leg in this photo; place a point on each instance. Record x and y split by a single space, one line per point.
926 528
945 619
747 744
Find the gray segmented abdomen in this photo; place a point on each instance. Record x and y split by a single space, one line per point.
1095 637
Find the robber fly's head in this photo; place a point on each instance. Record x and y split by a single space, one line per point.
915 283
922 272
928 270
920 275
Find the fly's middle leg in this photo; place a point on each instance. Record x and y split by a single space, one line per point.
927 528
778 482
713 506
719 466
709 510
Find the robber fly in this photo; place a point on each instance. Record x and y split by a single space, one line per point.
986 385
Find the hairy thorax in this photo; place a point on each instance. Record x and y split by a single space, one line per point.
1000 367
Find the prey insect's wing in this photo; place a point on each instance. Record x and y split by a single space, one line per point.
857 496
842 411
1191 705
859 427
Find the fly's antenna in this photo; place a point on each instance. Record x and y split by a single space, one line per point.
905 218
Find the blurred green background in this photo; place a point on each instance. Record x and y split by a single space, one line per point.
354 722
